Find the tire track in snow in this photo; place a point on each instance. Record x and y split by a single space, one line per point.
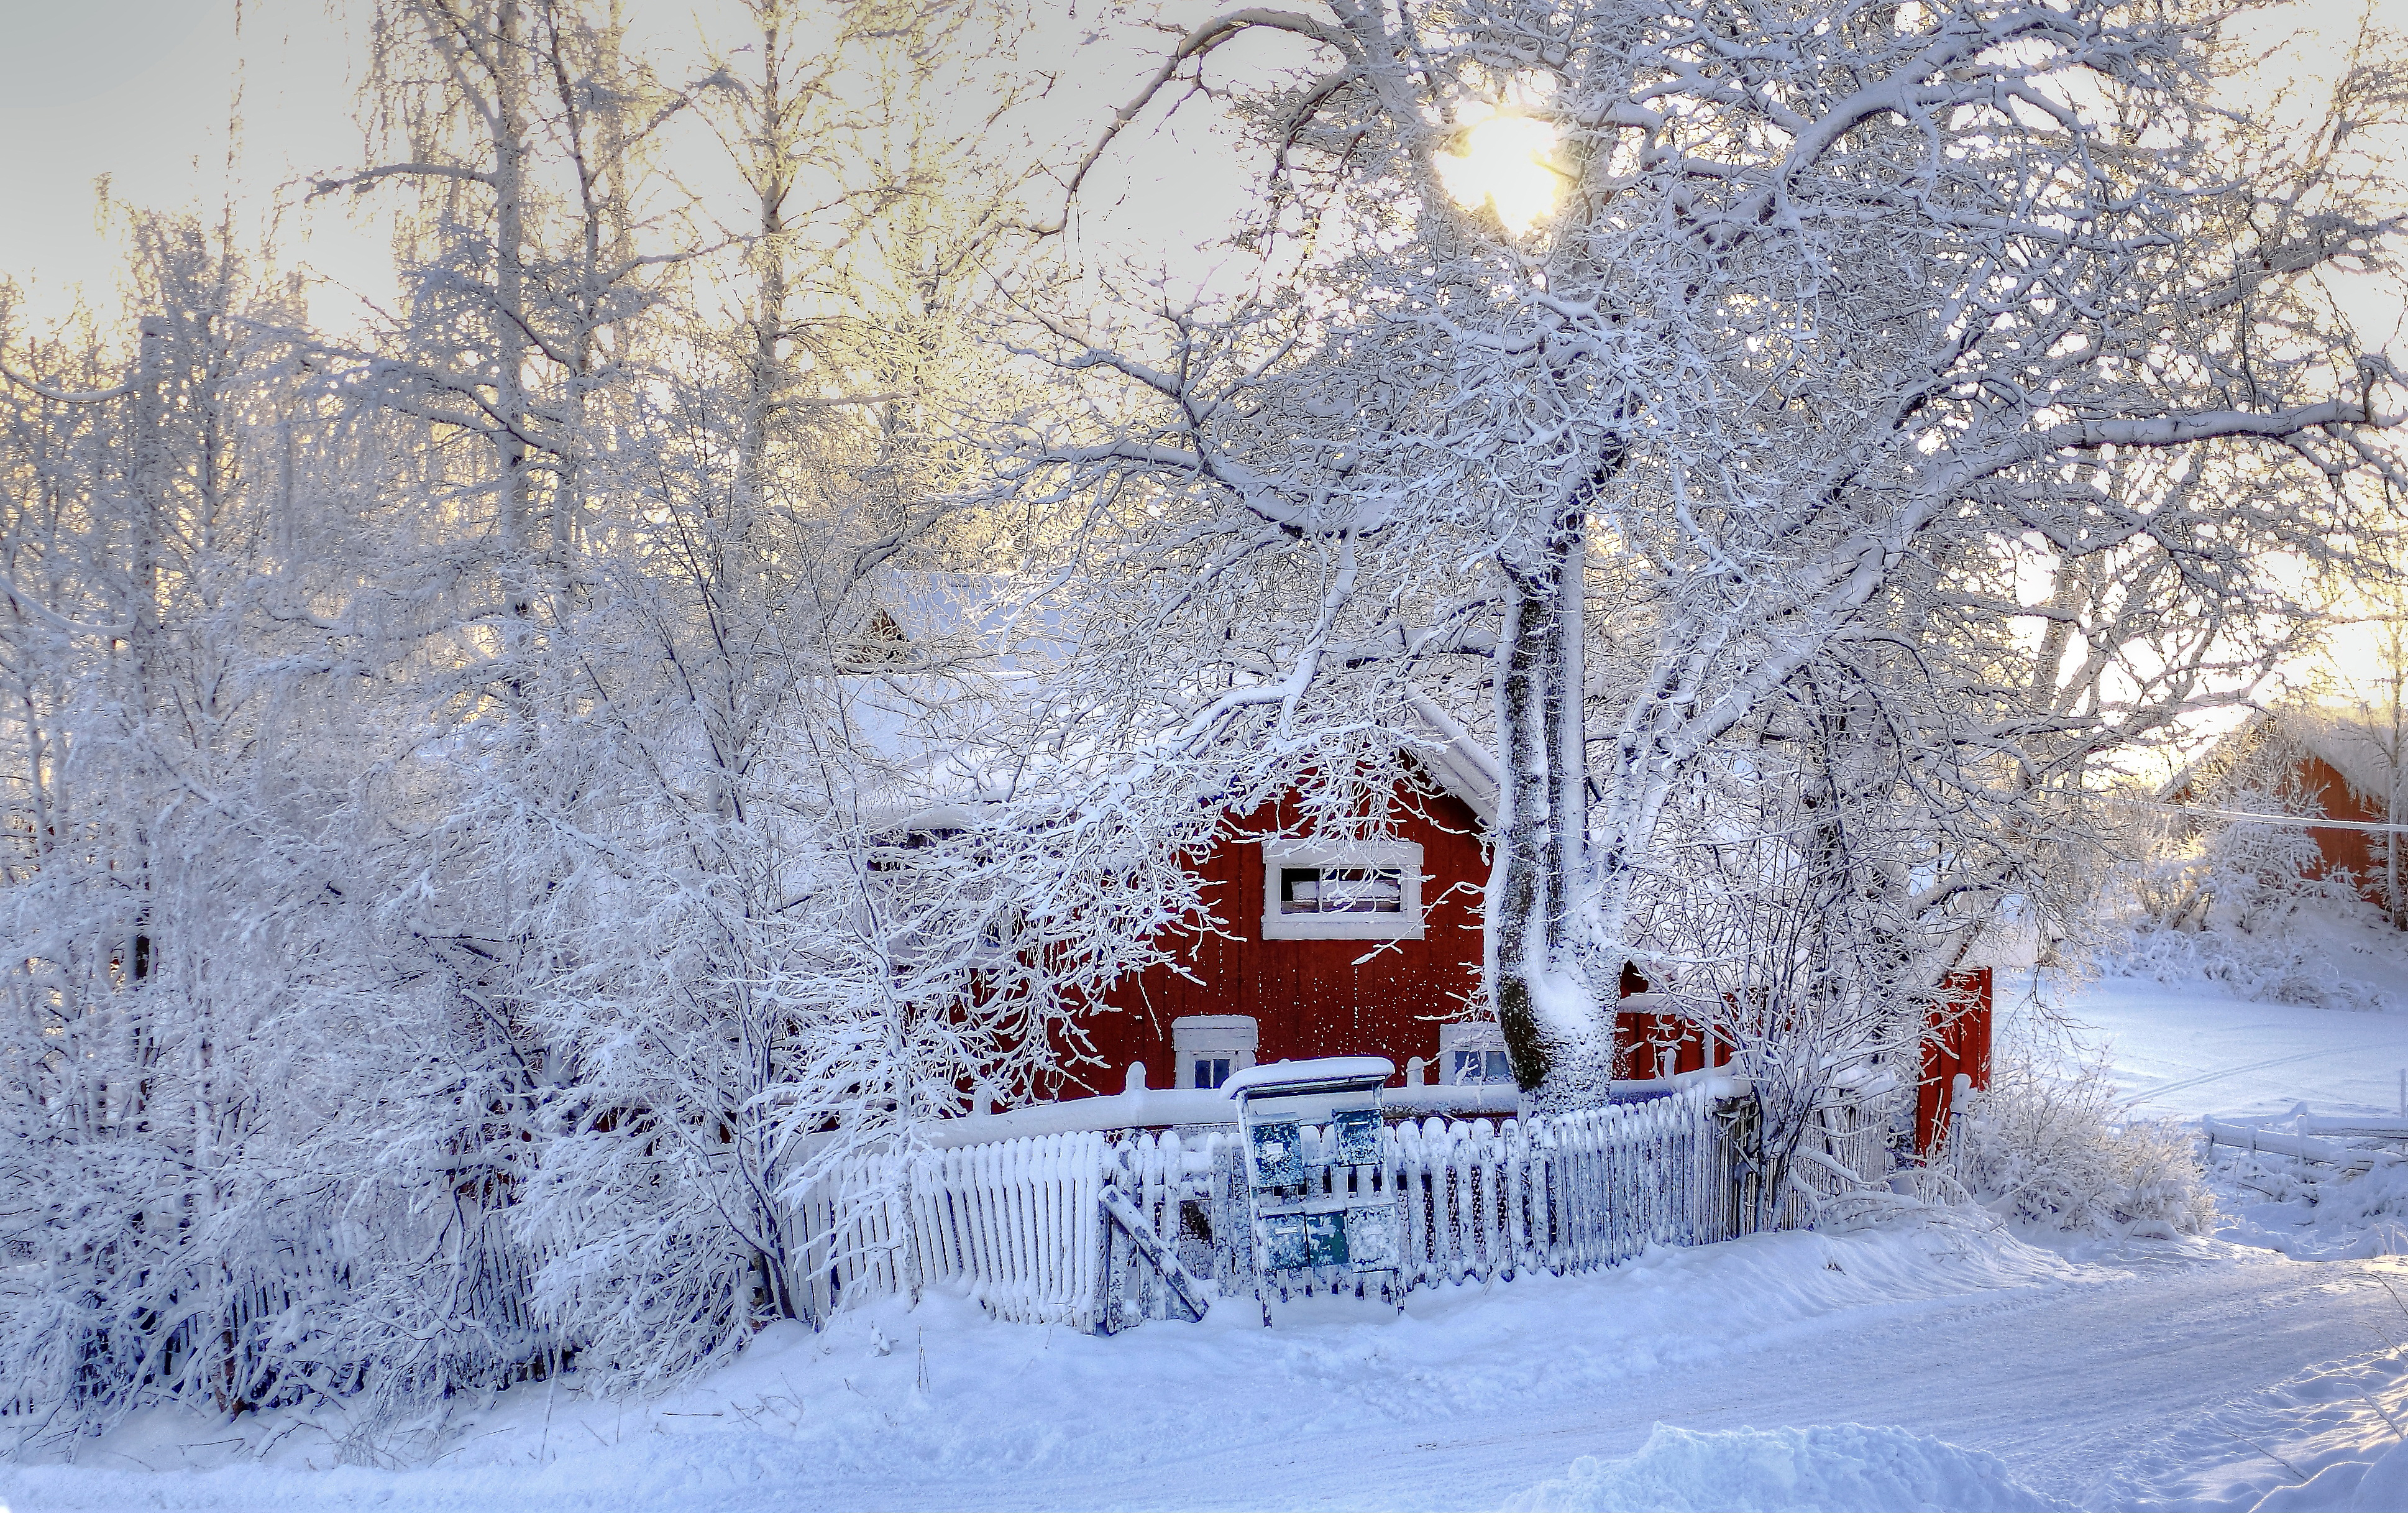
2269 1065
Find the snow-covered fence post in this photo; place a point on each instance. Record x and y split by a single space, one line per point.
1233 1245
1517 1196
1412 1172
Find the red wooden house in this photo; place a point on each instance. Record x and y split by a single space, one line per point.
1328 947
1372 947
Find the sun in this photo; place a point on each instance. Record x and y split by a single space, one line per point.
1503 163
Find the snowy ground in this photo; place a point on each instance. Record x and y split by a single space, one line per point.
2154 1375
2128 1385
2188 1048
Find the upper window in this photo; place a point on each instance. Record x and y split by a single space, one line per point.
1342 890
1347 890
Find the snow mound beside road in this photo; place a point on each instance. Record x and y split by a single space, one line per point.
1837 1468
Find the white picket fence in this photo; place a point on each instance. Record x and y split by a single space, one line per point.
1557 1193
1025 1225
1015 1221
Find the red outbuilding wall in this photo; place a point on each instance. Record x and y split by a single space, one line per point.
1959 1043
1647 1045
1308 998
2352 851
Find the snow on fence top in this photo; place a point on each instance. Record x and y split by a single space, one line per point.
1316 1072
1141 1108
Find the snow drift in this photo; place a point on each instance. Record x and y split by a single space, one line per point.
1836 1468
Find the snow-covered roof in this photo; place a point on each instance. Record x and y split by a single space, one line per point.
1459 763
2339 738
951 623
2346 743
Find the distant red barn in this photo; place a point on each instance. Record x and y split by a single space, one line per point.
2313 762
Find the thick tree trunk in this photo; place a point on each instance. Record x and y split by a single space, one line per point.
1558 1038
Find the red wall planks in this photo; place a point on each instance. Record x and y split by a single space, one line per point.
2344 850
1642 1043
1308 998
1959 1042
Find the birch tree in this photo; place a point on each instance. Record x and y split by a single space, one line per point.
198 991
707 941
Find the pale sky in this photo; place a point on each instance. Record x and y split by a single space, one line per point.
142 92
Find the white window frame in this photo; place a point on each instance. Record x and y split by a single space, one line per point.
1465 1036
1402 857
1195 1036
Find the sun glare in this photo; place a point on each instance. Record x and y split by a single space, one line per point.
1502 164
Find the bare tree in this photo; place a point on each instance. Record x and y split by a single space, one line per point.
189 1005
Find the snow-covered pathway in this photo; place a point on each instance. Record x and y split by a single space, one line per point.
2084 1390
2087 1380
2191 1046
2081 1389
2180 1051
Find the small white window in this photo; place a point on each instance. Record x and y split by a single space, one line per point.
1209 1049
1357 891
1482 1066
1472 1051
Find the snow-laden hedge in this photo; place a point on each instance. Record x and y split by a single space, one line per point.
2225 908
2043 1147
2312 1212
2266 969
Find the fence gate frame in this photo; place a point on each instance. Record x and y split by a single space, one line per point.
1320 1180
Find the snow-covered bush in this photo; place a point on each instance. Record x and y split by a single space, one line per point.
2220 906
2043 1147
2271 968
2311 1212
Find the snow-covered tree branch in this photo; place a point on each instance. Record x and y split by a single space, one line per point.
1833 324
